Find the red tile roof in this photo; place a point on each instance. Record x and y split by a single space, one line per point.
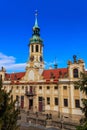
14 76
47 74
55 73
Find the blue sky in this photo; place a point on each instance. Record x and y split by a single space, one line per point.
63 25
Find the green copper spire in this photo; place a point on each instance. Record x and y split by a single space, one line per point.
55 64
36 28
36 32
36 21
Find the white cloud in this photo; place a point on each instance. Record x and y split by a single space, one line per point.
9 63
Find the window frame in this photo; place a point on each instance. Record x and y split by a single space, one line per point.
17 87
77 103
65 87
48 87
65 102
76 88
40 87
37 48
56 87
48 100
75 73
32 48
56 102
22 87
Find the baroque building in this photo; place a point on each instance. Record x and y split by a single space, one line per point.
41 90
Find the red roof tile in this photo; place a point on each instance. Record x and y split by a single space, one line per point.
54 73
14 76
47 74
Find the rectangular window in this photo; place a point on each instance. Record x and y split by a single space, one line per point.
31 90
22 97
40 99
76 88
77 103
48 100
22 101
64 87
56 101
48 87
32 48
37 48
56 87
75 73
40 87
66 102
22 87
17 98
17 87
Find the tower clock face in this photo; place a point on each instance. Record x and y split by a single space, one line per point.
31 58
41 58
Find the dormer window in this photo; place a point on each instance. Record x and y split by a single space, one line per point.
75 73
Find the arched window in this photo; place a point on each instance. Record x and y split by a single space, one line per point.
75 73
32 49
37 48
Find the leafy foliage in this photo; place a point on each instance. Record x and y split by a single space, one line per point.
8 113
82 85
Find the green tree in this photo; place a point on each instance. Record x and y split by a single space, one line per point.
82 85
8 113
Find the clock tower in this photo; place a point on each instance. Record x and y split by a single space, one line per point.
35 60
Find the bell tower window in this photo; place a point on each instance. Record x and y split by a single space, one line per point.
32 48
37 48
40 48
75 73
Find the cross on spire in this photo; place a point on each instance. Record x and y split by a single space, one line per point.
36 22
